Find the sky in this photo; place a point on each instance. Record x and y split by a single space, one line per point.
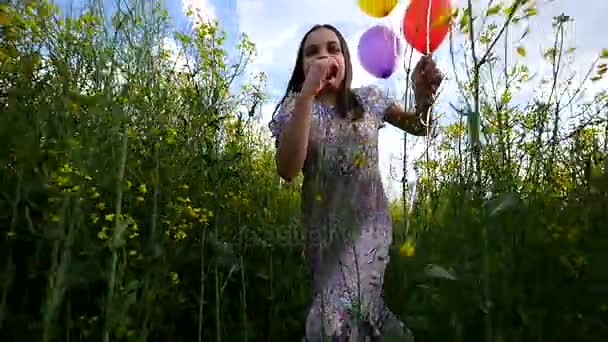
276 27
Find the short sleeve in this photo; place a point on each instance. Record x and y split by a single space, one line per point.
378 102
283 114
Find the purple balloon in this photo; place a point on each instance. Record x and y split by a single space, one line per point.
378 50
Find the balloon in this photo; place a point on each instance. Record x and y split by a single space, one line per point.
417 29
377 8
378 50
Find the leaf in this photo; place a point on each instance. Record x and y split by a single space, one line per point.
503 202
521 51
490 130
9 51
464 20
4 19
133 285
494 10
530 12
604 53
442 20
596 78
473 123
436 271
550 53
445 18
506 97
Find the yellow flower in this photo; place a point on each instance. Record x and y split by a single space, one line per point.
360 160
180 235
174 277
189 212
103 233
408 248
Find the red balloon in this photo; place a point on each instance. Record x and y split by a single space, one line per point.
417 24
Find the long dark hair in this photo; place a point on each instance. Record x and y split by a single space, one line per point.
347 101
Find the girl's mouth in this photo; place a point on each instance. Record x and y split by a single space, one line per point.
332 73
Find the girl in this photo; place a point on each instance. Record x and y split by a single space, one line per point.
330 132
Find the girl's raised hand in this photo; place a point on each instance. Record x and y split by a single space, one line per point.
318 75
426 78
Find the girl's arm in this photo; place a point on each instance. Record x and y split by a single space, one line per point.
292 139
408 121
426 79
388 109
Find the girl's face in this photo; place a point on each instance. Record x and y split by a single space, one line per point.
323 43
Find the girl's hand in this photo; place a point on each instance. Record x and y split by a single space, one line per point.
426 78
318 76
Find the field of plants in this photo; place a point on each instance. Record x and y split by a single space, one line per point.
140 202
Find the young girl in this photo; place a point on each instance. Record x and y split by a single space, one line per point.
330 132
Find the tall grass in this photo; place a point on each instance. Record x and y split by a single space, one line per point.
139 200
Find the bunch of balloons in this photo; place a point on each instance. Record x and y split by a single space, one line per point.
424 28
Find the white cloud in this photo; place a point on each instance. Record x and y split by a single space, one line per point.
176 55
275 27
203 10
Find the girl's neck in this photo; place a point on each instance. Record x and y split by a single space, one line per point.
327 98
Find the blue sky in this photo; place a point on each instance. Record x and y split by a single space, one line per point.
276 27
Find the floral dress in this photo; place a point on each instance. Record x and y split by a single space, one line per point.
347 222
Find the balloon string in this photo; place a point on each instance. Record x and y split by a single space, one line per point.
428 27
395 38
426 121
396 44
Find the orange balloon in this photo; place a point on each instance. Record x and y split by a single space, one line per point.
419 28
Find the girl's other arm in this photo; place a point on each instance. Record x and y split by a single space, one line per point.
408 121
426 79
293 139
